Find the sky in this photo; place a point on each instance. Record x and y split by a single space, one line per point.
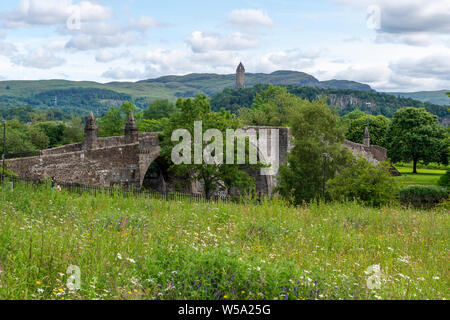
401 45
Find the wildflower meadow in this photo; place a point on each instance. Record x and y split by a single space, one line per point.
66 246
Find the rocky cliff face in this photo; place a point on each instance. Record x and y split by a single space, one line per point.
343 101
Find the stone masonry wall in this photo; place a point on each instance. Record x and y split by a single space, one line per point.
112 163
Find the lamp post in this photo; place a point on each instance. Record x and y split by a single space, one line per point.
4 149
325 156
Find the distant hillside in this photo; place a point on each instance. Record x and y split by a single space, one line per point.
345 100
436 97
214 83
83 96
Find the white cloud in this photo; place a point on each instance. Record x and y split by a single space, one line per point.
123 74
204 42
370 75
105 56
7 49
436 66
143 23
53 12
250 18
294 59
40 58
93 42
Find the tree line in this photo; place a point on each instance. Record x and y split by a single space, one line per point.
413 134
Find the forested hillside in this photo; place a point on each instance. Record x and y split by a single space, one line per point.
61 98
83 96
371 102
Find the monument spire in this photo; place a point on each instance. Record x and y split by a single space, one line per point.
240 76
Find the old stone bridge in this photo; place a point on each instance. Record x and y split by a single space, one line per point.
126 160
111 161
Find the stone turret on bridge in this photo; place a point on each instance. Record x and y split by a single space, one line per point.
96 161
90 133
131 130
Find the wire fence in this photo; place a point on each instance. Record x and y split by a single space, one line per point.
130 192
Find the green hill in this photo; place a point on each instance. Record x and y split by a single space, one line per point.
83 96
436 97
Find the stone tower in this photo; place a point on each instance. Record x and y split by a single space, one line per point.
131 130
240 76
366 138
90 133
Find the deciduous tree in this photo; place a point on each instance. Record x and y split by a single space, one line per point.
415 135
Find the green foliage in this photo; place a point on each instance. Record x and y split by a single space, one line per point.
233 100
346 120
159 109
21 137
152 125
38 138
271 107
364 182
127 107
74 130
423 196
378 128
314 128
218 177
113 122
136 248
444 181
415 135
54 131
8 173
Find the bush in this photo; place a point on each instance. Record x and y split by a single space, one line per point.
423 196
367 183
444 181
8 172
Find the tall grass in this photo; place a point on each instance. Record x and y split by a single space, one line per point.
137 248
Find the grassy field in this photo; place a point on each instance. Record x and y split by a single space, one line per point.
424 176
138 248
